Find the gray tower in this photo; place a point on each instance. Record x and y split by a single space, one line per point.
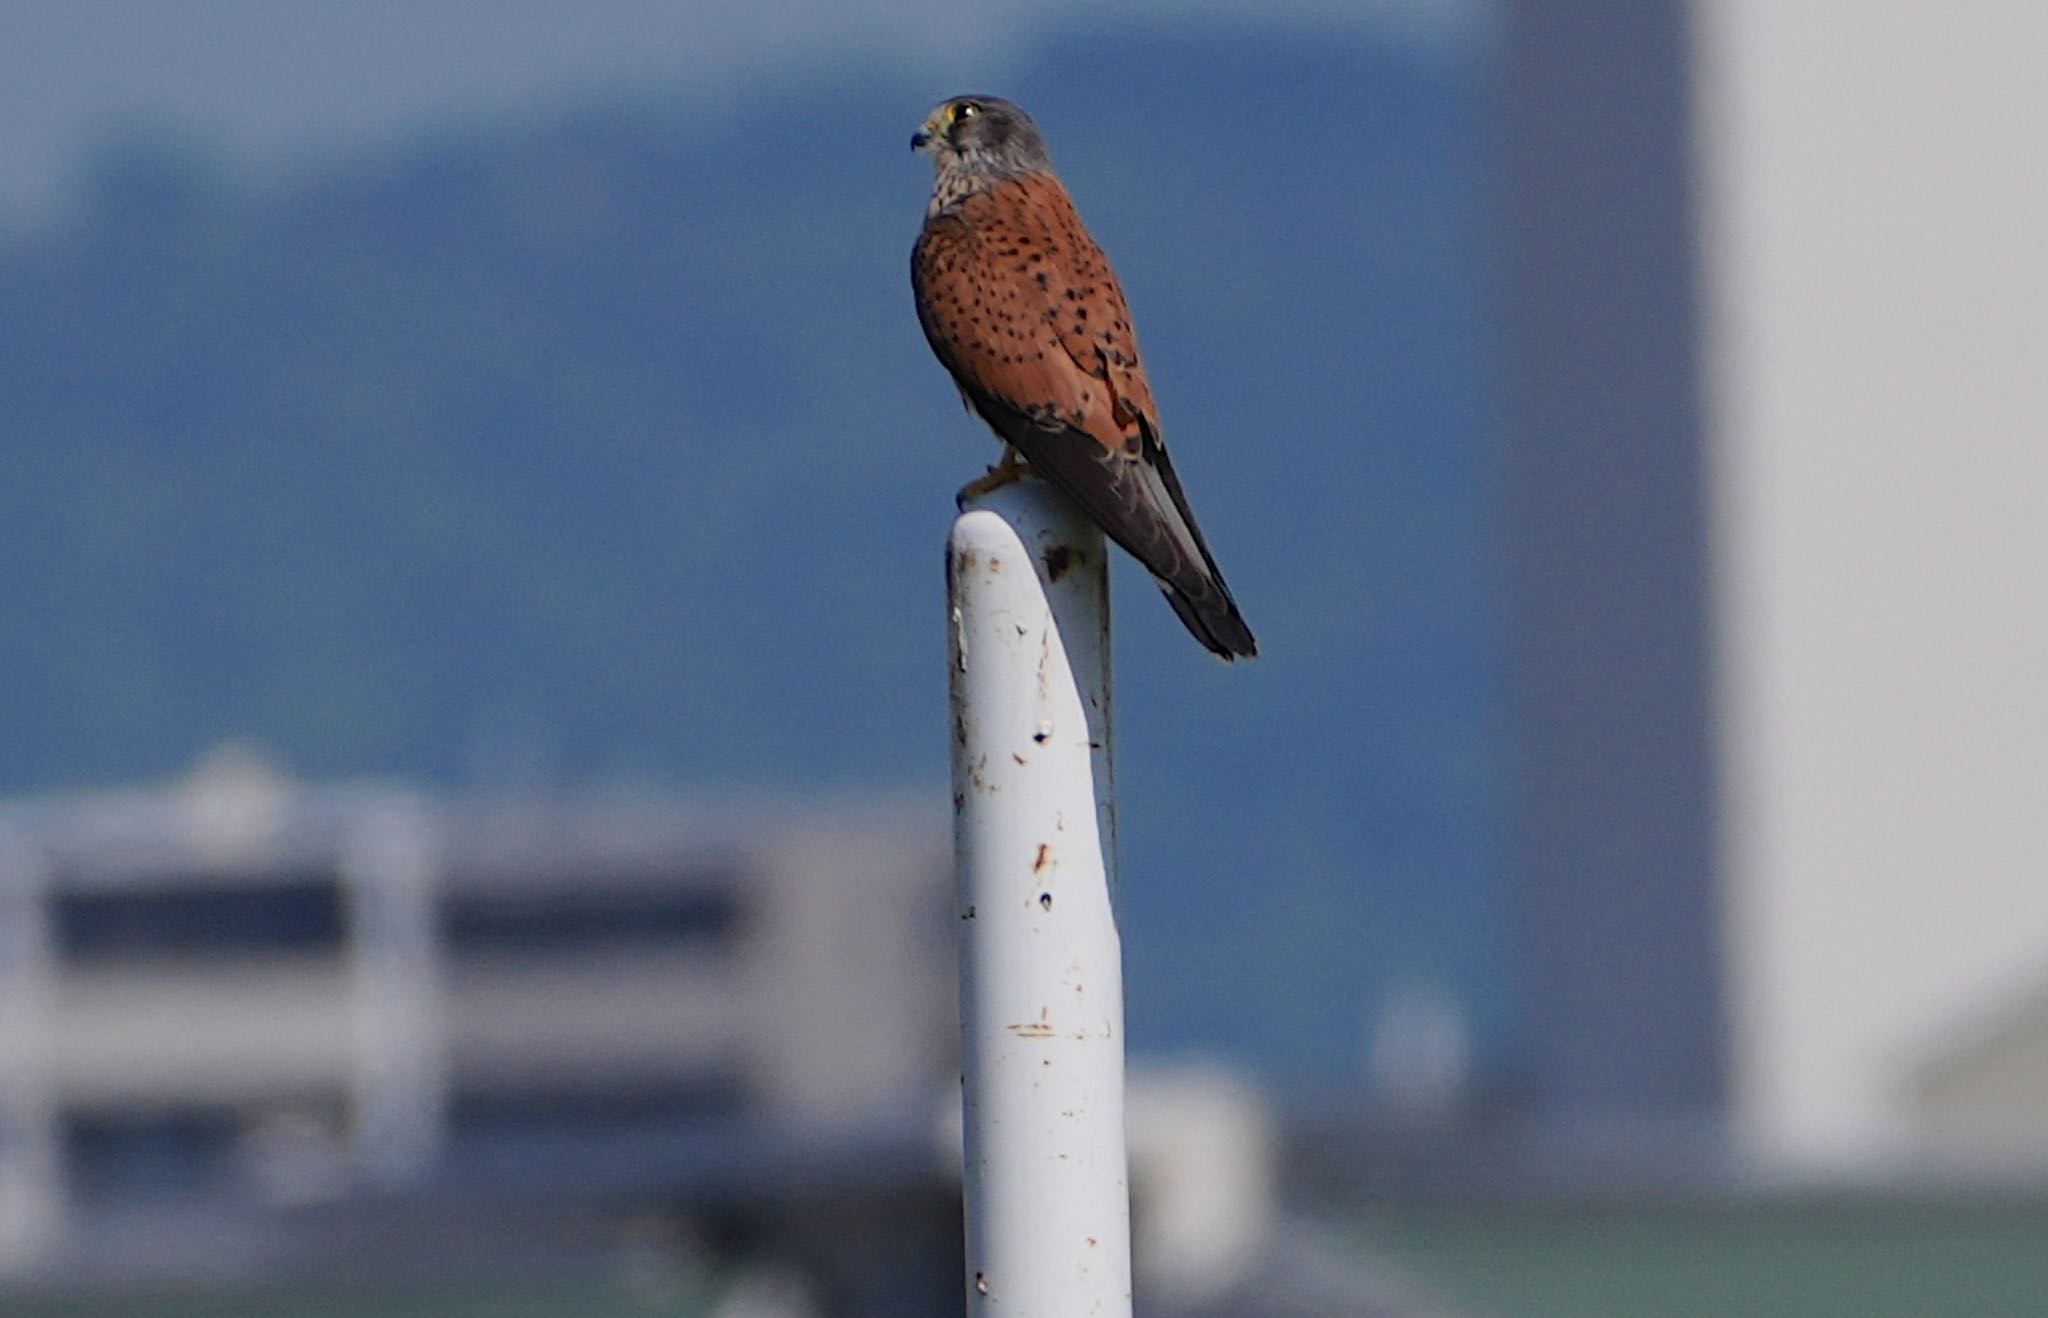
1610 839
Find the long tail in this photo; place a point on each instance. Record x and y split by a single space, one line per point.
1197 592
1140 505
1137 501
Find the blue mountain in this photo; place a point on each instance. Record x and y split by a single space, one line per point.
605 446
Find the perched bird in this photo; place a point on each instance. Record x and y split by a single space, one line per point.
1022 307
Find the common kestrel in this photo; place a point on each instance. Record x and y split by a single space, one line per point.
1022 307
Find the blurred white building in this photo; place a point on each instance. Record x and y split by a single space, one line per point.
1874 240
254 1029
1775 288
235 996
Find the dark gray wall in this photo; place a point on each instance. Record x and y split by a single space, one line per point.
1611 817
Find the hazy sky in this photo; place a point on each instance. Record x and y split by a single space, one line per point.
267 81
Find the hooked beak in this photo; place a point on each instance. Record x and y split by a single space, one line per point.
920 140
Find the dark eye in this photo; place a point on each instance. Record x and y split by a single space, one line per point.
966 110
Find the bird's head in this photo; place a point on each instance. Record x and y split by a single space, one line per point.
982 135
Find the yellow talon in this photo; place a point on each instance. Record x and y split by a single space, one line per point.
1012 467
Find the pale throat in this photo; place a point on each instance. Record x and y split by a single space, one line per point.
960 179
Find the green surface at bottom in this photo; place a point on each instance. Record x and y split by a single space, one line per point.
1800 1260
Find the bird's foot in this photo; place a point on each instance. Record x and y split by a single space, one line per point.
1011 468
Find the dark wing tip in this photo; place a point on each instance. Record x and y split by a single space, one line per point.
1213 620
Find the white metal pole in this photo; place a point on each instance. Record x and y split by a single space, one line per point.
1041 962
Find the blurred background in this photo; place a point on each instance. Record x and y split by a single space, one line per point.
474 833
